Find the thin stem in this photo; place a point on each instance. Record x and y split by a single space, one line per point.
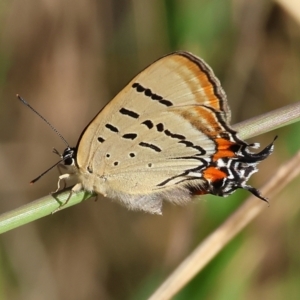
272 120
37 209
46 205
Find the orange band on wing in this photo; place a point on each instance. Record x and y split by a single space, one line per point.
208 90
211 125
207 87
223 149
213 174
202 118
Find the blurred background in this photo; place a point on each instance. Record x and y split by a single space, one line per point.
68 59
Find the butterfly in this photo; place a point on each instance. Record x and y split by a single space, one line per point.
165 136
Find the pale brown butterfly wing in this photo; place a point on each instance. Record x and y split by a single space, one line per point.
141 140
165 136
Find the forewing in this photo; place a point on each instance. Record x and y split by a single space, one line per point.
159 132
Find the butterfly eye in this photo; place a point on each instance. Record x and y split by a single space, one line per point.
69 161
68 156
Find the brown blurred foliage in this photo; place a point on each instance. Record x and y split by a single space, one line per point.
68 59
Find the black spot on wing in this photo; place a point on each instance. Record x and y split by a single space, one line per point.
148 93
150 146
130 136
100 139
156 97
160 127
174 135
165 102
187 143
138 87
191 145
111 127
130 113
148 123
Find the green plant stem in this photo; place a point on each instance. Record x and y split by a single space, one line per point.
272 120
38 209
48 204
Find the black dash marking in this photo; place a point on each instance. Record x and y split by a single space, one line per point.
131 154
160 127
190 144
185 176
173 177
200 149
148 123
150 94
138 87
112 128
151 146
187 143
116 163
174 135
100 139
156 97
130 136
150 165
130 113
166 102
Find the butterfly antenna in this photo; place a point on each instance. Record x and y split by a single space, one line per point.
47 122
37 178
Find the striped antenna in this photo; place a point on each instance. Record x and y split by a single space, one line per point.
45 120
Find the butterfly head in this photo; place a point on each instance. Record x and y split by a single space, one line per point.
68 156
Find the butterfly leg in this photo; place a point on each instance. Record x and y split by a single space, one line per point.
76 188
63 177
59 167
